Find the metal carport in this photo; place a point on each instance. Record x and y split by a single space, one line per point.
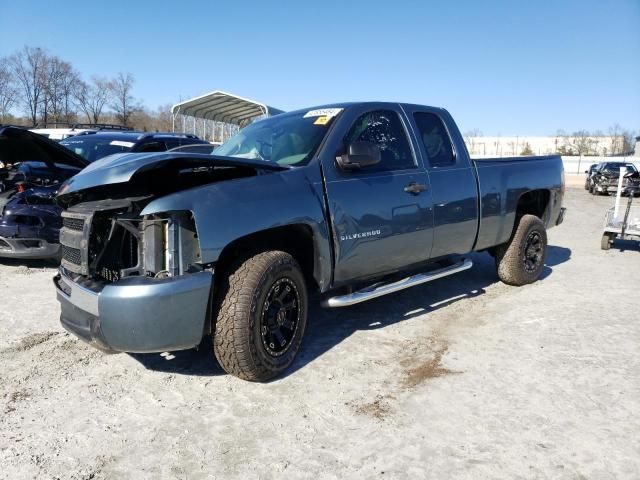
219 111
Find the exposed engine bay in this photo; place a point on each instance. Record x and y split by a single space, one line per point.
105 240
109 240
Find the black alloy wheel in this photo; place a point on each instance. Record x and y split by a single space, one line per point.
533 251
280 317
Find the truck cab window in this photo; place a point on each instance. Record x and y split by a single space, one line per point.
384 129
435 140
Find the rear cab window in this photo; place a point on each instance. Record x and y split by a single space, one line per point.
435 140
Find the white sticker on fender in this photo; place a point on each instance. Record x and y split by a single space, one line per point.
120 143
323 112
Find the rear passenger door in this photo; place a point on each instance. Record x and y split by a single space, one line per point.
381 214
453 182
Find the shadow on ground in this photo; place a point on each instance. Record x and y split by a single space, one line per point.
328 327
196 361
626 245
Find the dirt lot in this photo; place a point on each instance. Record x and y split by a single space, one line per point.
461 378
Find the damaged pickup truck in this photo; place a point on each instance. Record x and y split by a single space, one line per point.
350 201
32 168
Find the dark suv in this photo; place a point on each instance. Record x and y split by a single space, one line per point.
95 145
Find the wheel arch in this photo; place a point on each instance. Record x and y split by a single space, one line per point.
296 239
533 202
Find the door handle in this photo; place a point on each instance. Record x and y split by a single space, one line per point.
415 188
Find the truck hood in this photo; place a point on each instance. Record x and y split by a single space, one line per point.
20 145
162 172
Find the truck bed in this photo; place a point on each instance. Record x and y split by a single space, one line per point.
502 181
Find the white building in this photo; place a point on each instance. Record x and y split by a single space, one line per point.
566 145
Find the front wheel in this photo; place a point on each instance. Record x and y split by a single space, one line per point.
262 316
606 241
520 261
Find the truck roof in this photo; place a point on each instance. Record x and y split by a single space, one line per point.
371 103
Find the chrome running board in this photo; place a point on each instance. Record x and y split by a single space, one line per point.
380 290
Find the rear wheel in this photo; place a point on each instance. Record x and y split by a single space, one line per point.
520 261
262 316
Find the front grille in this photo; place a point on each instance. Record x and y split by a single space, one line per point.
71 255
73 239
73 223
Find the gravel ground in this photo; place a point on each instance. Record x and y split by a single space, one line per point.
462 378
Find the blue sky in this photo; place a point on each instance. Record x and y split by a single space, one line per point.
504 67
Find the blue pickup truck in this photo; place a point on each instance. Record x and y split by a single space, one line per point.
350 201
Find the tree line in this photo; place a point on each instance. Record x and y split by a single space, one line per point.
49 90
617 141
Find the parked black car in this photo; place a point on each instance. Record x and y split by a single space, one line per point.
96 145
604 179
32 168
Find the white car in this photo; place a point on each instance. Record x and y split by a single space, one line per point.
58 134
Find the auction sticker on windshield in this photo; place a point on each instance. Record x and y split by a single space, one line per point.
329 113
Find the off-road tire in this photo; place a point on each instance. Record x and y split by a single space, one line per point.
605 241
237 339
511 257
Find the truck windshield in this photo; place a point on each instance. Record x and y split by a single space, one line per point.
288 139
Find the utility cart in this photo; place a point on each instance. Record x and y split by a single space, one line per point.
620 221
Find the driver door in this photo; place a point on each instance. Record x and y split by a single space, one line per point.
382 214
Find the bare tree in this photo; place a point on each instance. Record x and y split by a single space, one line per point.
29 69
562 143
470 138
92 97
580 142
616 139
8 90
60 81
163 118
68 88
628 142
123 102
158 120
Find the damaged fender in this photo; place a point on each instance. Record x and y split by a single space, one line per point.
226 211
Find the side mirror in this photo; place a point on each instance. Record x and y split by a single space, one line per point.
359 155
586 171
